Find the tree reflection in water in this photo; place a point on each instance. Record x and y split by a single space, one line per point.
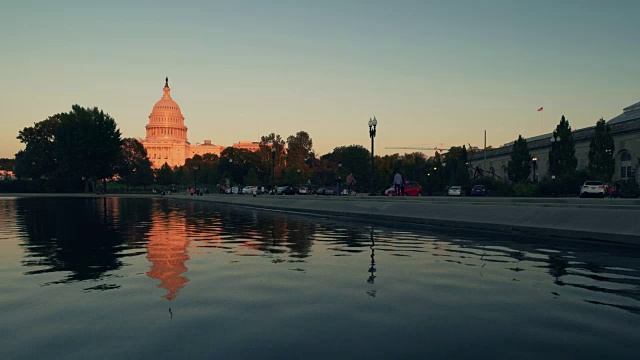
86 239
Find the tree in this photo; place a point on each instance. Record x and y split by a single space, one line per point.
134 165
456 172
164 175
601 159
87 145
519 167
7 164
299 146
38 159
562 156
268 142
354 159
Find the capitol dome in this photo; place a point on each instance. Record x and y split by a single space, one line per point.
166 120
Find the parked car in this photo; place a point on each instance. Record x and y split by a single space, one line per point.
592 188
304 191
455 191
286 190
478 190
249 190
411 188
319 191
233 190
329 190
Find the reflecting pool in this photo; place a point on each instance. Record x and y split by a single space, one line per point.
86 278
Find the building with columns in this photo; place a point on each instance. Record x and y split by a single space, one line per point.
625 129
166 135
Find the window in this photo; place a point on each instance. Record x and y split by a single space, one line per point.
626 170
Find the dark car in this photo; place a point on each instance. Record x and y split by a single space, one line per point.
286 190
478 190
329 190
319 191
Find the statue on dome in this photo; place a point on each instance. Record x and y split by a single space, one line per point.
166 82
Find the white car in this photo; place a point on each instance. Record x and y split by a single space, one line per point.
248 190
455 191
592 188
303 191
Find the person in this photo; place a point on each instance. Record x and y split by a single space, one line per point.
191 191
350 182
397 183
612 191
403 184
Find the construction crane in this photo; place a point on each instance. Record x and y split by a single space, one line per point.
415 148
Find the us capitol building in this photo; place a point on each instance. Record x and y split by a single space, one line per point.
166 136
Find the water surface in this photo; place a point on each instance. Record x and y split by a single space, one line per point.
147 279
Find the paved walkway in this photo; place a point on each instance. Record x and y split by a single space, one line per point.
613 220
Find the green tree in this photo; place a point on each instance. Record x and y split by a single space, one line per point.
164 175
601 159
134 166
455 170
519 167
268 142
38 159
354 159
562 156
87 145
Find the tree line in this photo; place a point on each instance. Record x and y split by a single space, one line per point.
76 150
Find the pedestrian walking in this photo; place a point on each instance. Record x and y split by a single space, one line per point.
397 182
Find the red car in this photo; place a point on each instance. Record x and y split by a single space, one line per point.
411 188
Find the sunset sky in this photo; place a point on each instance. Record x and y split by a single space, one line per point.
432 72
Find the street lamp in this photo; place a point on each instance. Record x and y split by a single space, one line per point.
195 179
534 162
339 182
230 176
372 134
273 168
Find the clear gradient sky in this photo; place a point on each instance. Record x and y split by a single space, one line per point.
432 72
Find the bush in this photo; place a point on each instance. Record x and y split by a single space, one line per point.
628 189
565 185
496 187
525 190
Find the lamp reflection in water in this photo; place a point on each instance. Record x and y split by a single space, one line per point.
372 267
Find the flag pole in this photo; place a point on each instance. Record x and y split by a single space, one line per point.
543 120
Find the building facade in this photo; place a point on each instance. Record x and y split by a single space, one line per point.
625 129
166 135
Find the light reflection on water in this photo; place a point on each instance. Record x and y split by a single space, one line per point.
143 278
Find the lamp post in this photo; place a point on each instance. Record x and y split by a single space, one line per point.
372 134
195 179
230 176
534 162
273 169
339 182
553 156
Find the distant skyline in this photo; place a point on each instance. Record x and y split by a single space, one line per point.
433 72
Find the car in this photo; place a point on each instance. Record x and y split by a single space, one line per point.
319 191
233 190
592 188
455 191
329 190
304 191
286 190
478 190
248 190
411 188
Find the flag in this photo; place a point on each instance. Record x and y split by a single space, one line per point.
540 109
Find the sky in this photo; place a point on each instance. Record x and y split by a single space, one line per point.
434 73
